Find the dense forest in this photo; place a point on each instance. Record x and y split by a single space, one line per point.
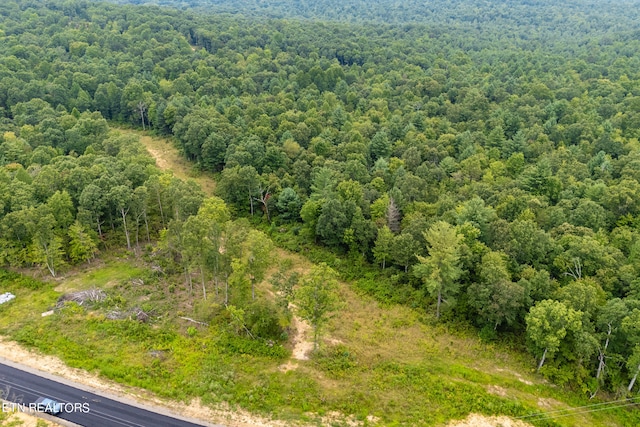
492 173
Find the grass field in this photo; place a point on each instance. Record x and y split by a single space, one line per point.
381 364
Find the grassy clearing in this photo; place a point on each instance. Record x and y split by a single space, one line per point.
104 273
377 361
384 362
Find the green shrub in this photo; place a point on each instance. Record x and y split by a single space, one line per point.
263 320
336 360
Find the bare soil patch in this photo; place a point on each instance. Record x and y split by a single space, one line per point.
476 420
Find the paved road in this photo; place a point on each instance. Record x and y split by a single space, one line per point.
22 387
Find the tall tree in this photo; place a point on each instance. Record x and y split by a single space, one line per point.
441 269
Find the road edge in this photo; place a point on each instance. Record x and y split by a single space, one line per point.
108 395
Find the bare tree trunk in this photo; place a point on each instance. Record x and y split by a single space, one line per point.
146 225
264 199
99 228
160 205
633 380
602 353
142 108
544 356
126 230
251 201
393 217
137 231
438 306
48 261
204 289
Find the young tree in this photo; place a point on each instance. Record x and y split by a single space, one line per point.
547 325
608 323
289 204
441 269
81 246
383 246
196 247
404 249
317 298
258 256
633 365
216 214
631 329
92 199
332 222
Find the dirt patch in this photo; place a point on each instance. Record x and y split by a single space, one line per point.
497 390
302 344
517 375
476 420
161 162
548 403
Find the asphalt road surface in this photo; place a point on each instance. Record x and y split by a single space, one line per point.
22 387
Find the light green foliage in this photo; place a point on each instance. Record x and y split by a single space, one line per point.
440 270
548 323
258 254
382 250
317 298
82 246
584 295
403 250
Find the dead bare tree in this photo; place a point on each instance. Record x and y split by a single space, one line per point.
265 195
576 271
142 108
393 217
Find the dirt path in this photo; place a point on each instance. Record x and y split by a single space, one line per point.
169 159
